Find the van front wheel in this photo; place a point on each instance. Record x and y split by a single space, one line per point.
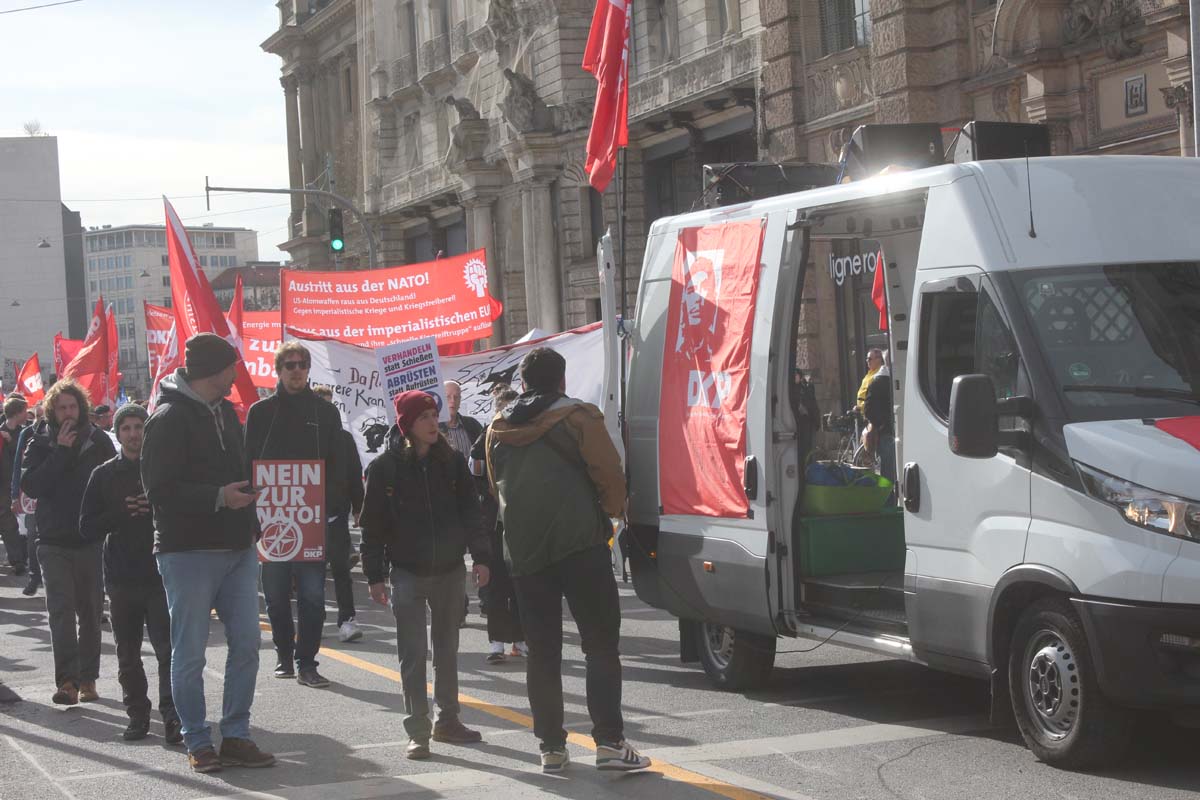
734 660
1063 717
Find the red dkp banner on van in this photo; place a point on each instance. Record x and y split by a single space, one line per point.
706 370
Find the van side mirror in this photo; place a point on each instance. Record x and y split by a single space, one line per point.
974 419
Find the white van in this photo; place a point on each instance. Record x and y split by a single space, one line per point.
1045 320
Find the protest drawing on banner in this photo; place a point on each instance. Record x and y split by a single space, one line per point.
477 373
447 299
412 365
291 509
352 374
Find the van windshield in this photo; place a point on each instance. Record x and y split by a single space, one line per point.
1122 341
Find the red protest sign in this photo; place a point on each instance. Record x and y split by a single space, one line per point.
260 340
706 370
291 509
447 299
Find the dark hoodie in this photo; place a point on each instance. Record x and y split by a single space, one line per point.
299 426
420 514
56 477
557 476
128 539
192 450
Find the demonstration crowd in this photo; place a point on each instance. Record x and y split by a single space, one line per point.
164 522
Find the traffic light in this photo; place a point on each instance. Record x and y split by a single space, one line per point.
337 239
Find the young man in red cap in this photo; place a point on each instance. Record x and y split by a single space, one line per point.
420 515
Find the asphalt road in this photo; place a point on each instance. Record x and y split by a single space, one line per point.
832 724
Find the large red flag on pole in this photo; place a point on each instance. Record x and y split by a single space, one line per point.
65 351
196 307
29 380
113 379
90 367
607 58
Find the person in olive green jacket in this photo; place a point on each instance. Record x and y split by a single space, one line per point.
558 479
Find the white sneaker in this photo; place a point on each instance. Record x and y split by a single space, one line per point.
496 653
348 631
620 757
555 760
520 649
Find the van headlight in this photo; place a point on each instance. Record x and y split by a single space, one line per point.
1160 512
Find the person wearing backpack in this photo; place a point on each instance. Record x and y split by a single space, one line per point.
420 516
558 478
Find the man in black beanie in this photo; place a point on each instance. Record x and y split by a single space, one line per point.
194 474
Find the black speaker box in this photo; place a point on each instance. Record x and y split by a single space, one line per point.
873 148
986 141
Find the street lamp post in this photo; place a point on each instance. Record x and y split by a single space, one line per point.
1194 48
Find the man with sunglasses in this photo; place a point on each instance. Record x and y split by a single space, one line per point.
294 424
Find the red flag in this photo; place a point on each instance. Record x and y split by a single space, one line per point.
114 353
29 380
169 360
90 367
235 309
65 351
878 295
196 307
607 58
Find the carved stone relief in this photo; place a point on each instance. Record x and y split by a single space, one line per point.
1110 21
839 86
521 106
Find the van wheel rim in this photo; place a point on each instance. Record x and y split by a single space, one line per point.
1053 692
719 639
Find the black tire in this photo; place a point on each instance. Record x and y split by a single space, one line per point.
734 660
1064 718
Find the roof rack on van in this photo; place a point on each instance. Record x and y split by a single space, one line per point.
743 181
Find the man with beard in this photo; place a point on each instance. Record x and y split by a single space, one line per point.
55 470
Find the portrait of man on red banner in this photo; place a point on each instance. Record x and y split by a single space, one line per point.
706 370
291 509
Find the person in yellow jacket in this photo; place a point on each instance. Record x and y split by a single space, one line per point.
874 362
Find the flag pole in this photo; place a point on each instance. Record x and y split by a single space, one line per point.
622 198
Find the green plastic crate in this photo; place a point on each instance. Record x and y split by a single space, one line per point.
839 545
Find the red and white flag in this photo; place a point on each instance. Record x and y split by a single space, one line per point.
29 380
196 307
90 367
606 56
65 351
113 383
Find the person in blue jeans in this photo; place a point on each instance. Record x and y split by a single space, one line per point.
194 475
295 424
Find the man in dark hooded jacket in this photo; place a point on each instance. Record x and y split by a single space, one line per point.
194 474
55 469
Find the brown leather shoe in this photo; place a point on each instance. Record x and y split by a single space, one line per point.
454 732
67 694
205 760
244 753
87 692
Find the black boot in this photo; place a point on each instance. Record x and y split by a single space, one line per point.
138 728
173 729
31 588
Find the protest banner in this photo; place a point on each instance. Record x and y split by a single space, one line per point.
410 365
447 299
261 337
158 333
291 509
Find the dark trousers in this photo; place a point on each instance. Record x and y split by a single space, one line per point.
134 609
35 566
300 640
586 580
504 619
10 533
410 595
74 596
337 551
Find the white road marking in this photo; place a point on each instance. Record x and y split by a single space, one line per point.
45 774
369 788
817 740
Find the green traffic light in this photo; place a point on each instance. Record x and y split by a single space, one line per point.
337 245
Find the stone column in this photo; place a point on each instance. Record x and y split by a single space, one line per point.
295 169
543 284
481 235
307 74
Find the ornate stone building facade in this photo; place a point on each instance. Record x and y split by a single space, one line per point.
459 124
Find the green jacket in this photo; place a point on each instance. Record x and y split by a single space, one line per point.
558 479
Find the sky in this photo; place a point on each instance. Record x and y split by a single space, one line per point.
147 97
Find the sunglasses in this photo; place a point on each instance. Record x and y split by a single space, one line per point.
290 365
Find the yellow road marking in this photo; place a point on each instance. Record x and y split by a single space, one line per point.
678 774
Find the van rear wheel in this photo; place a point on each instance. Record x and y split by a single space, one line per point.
733 659
1062 714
